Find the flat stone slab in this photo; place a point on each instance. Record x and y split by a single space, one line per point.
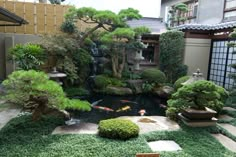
229 128
80 128
7 114
164 145
229 108
225 117
226 142
152 123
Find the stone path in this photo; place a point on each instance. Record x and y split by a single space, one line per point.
7 114
229 128
225 117
80 128
225 141
164 145
229 108
156 123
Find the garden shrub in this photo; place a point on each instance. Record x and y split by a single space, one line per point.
102 81
198 95
33 89
171 55
154 75
76 91
28 56
179 82
118 129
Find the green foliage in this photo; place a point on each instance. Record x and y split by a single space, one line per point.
102 81
176 13
147 86
198 95
28 56
141 30
56 1
77 104
118 129
20 85
68 26
178 83
171 55
74 91
154 75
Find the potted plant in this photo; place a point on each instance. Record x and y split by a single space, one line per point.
199 100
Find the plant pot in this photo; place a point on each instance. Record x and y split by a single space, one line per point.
194 114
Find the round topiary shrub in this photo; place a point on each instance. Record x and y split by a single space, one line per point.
101 81
118 129
179 82
154 75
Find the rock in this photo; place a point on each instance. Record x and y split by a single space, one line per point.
135 85
164 91
118 90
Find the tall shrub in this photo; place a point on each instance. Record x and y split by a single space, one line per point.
171 55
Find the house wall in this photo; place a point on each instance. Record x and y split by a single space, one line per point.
197 53
8 40
210 12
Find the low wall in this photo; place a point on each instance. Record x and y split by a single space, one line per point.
197 52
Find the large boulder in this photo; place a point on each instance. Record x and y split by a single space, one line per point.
135 85
118 90
164 91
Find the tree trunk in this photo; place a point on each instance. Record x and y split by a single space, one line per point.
81 42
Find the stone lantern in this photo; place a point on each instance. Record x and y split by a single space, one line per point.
195 77
138 55
55 75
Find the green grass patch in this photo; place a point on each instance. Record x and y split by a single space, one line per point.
22 137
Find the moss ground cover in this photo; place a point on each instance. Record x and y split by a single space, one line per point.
22 137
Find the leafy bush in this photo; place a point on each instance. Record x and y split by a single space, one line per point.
179 82
68 27
147 87
171 55
29 87
102 81
154 75
74 91
118 129
28 56
198 95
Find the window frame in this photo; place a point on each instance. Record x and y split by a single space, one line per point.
231 18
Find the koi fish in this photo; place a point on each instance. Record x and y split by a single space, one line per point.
123 109
96 102
142 112
162 106
103 108
127 101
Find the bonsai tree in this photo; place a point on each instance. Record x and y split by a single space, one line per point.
33 90
176 13
105 19
197 95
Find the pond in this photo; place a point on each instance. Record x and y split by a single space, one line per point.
109 106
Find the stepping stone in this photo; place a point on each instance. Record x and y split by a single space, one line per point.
229 128
152 123
229 108
81 128
225 117
226 142
7 115
164 145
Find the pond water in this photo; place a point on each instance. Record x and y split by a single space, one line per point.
121 106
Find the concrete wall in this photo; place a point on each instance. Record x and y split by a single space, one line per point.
8 40
210 12
197 53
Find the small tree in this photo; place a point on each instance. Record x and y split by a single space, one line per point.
171 55
177 12
107 20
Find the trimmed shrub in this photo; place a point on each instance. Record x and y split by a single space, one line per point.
154 75
101 81
179 82
171 55
76 91
198 95
118 129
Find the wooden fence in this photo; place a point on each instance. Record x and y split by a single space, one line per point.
42 18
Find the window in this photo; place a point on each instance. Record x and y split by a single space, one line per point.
230 10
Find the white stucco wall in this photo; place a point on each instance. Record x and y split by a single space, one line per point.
197 53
